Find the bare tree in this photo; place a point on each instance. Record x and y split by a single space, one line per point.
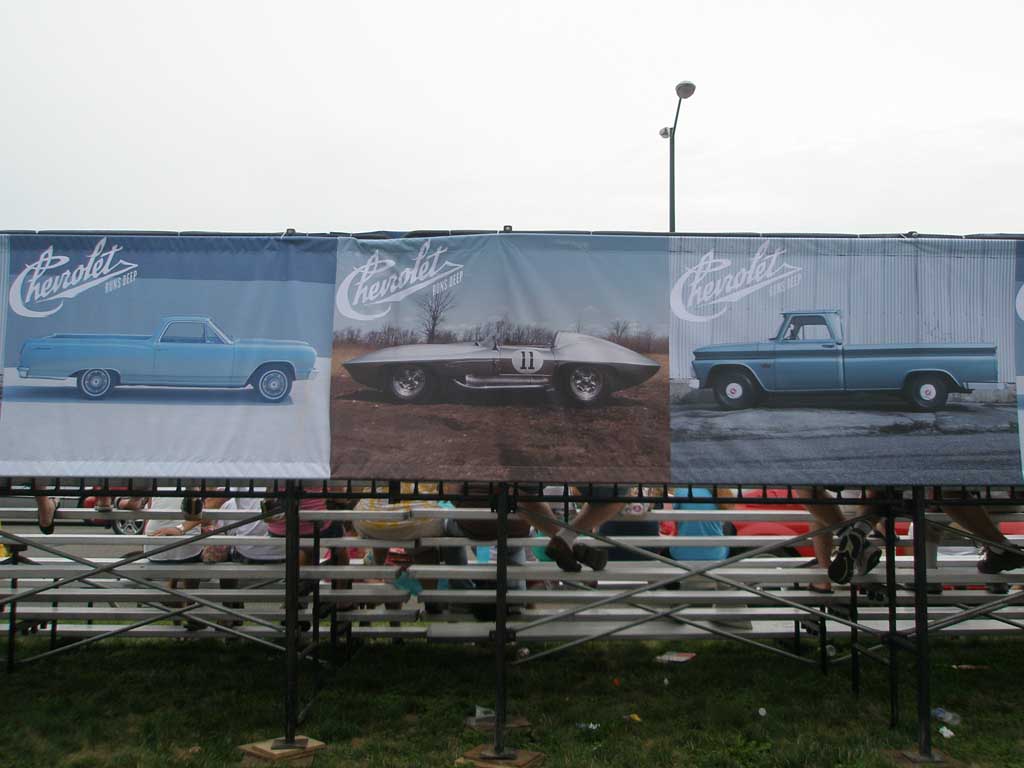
433 309
618 330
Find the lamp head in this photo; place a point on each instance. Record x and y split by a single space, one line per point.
665 133
685 89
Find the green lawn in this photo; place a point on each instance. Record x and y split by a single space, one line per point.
158 703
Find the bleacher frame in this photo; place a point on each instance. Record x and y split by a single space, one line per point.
647 605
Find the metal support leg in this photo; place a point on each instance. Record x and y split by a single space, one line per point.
53 624
854 639
890 597
316 608
291 663
924 731
12 617
500 631
823 645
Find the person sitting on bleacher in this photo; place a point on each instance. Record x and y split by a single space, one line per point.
859 546
562 546
187 523
252 554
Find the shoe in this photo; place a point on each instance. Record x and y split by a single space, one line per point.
1002 559
856 553
48 529
591 556
559 551
871 554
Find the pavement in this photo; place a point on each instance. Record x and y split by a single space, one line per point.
709 422
967 443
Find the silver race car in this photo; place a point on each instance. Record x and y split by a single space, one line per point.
584 368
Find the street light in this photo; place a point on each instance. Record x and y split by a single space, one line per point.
684 90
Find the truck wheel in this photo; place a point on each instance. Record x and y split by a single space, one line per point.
95 383
410 383
735 390
584 384
272 383
927 392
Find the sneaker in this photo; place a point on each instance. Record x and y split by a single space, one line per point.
1002 559
596 558
559 551
853 553
871 554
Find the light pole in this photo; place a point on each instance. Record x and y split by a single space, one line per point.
684 90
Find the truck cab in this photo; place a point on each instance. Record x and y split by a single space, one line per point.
809 351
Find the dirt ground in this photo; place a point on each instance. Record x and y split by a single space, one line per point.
521 436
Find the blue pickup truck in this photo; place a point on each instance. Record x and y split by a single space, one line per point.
810 354
185 351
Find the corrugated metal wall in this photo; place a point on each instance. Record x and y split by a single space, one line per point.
889 291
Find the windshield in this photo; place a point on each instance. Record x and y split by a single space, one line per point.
227 339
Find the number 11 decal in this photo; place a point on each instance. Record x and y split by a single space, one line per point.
526 361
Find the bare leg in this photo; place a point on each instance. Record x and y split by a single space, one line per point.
594 514
46 510
540 516
824 515
977 521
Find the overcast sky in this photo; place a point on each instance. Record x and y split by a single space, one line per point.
234 116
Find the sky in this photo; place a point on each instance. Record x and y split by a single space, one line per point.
528 279
862 117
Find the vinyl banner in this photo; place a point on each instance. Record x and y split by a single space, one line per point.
513 357
1018 322
501 357
843 360
168 356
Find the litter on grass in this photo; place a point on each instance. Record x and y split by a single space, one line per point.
946 732
762 711
588 726
971 666
674 657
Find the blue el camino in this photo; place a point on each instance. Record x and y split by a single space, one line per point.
810 354
185 351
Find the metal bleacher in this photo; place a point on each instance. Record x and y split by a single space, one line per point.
754 596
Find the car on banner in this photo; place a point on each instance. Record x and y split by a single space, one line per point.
185 351
585 369
810 354
122 526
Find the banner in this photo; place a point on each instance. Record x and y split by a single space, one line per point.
166 356
501 357
843 360
513 357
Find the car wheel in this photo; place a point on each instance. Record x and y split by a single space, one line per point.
410 383
129 527
735 390
95 383
272 383
585 384
927 392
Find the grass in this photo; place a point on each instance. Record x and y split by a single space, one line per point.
155 703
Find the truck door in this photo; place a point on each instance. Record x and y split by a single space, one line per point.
807 356
189 354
